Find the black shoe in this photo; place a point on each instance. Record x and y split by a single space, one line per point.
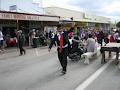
20 54
24 52
63 72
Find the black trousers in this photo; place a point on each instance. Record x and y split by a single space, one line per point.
35 42
22 50
63 58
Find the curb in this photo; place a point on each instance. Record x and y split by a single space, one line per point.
9 50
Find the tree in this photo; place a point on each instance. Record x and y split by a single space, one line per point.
118 25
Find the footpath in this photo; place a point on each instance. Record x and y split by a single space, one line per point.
15 49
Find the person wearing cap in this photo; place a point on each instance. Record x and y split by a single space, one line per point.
62 46
21 40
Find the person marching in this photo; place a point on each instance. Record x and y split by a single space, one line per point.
21 40
62 46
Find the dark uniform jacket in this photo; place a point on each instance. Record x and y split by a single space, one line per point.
21 40
57 39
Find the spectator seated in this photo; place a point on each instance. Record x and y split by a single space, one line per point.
86 56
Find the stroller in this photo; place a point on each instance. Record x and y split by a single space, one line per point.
76 49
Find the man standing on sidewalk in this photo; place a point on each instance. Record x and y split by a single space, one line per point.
62 46
21 40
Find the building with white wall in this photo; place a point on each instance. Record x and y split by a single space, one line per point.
83 19
66 14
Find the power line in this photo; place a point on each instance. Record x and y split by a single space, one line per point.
37 11
22 10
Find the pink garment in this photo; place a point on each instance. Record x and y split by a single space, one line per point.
70 34
112 39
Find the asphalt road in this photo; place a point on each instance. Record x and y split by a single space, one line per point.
40 70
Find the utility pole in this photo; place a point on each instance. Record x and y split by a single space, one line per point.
42 6
115 24
0 5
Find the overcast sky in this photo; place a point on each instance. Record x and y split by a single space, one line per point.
109 8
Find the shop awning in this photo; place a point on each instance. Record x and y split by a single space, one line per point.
24 16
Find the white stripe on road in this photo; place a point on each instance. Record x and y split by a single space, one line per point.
93 77
36 51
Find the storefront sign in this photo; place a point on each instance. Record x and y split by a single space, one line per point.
27 17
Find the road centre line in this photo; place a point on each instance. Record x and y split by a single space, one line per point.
36 51
94 76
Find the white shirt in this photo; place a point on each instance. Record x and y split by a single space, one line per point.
53 35
59 35
1 36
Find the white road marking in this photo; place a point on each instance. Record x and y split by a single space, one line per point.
36 51
93 77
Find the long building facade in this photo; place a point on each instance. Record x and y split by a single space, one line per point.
84 20
24 15
11 22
